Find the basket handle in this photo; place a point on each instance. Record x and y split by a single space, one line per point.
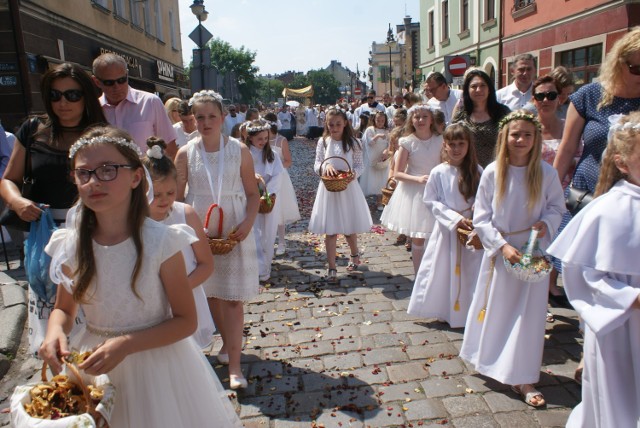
334 157
391 184
208 216
260 180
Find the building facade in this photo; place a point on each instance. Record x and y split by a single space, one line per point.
350 84
460 27
38 34
576 35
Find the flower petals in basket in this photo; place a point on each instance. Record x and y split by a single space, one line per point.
218 245
267 200
62 402
387 190
469 238
339 182
533 265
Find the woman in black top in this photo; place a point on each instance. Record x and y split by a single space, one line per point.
71 103
481 111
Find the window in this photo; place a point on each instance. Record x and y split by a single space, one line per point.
159 22
432 32
147 17
489 10
464 19
520 4
102 3
172 28
135 12
583 62
118 8
445 20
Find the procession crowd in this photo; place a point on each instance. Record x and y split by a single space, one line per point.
494 193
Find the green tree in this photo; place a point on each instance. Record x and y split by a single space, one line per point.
269 90
227 59
325 86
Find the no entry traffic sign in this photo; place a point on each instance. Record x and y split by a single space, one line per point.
457 66
357 91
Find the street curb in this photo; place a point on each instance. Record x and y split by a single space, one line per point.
13 315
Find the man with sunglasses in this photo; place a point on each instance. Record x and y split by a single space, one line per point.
518 94
370 106
140 113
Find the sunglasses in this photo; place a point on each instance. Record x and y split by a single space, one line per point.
634 69
120 81
540 96
102 173
71 95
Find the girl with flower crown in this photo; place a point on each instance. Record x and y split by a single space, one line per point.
127 273
599 251
504 333
165 209
269 169
220 171
418 154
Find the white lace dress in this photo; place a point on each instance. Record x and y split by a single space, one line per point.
343 212
289 212
169 386
235 275
375 174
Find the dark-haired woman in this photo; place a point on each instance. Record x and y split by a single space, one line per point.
42 144
481 111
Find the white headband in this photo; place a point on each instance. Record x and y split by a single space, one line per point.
420 107
102 139
616 126
204 94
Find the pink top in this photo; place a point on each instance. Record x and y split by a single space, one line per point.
142 115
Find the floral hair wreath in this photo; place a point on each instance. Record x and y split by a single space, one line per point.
519 116
266 126
83 142
204 94
420 107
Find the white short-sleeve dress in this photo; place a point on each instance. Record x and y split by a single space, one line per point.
168 386
289 211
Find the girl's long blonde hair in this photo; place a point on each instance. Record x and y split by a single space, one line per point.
621 146
534 166
615 61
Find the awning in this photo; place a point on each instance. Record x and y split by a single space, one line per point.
303 92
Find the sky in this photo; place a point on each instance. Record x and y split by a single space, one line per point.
299 35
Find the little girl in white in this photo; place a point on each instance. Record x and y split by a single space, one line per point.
504 333
447 277
343 212
289 211
599 251
165 209
418 154
267 165
128 274
376 170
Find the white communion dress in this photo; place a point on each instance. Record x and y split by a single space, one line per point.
289 211
375 172
343 212
170 386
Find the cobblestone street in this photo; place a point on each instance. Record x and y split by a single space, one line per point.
348 355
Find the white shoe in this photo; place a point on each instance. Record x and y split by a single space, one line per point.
223 359
237 382
281 249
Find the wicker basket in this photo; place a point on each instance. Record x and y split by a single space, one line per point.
387 190
340 183
536 271
267 201
463 237
218 246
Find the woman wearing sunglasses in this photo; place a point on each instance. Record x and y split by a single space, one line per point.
41 153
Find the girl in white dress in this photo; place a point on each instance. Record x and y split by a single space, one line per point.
267 165
376 170
128 274
220 170
599 251
165 209
343 212
289 211
447 277
418 154
504 333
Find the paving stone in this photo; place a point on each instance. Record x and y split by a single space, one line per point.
500 402
368 375
481 383
471 404
302 366
313 349
408 327
424 409
340 332
378 316
392 339
428 337
558 396
424 352
347 319
354 344
481 421
259 422
303 336
375 329
440 387
279 384
386 416
265 405
446 367
343 362
339 418
407 372
400 392
552 418
384 355
320 381
516 419
266 369
13 294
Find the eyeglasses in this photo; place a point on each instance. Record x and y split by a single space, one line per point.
634 69
110 82
540 96
103 173
71 95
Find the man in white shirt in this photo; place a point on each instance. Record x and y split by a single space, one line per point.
518 94
397 104
442 96
285 118
231 119
186 129
311 121
370 106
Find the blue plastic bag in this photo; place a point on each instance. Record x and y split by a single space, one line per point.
36 261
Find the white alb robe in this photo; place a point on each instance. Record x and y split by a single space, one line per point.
437 286
507 346
599 250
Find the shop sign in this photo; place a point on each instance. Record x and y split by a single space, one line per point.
8 66
9 80
132 62
165 71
